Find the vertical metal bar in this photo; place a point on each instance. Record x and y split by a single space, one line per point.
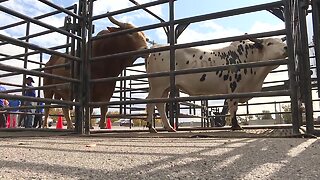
88 67
82 92
316 36
121 91
305 66
73 64
39 79
130 96
172 60
291 68
207 113
25 63
202 113
124 86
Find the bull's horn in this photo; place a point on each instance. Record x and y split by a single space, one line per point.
259 41
114 21
284 38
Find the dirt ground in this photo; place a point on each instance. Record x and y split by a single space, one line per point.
139 155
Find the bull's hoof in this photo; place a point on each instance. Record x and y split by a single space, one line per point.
70 127
153 130
237 127
102 126
171 130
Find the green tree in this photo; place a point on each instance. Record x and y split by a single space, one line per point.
266 114
54 112
113 119
286 116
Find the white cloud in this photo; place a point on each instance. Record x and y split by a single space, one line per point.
259 27
102 6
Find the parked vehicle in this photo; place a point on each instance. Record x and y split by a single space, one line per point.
125 122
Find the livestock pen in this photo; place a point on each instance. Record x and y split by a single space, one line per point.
77 32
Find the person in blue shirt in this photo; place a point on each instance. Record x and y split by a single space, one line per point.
14 115
38 116
32 93
3 119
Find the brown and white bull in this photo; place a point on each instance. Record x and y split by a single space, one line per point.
216 82
112 67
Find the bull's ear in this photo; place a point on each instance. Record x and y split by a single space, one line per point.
257 42
113 29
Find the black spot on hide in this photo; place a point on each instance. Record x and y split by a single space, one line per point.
203 77
240 49
233 86
239 78
225 77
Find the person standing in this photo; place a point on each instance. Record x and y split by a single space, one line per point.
3 119
31 93
14 116
38 116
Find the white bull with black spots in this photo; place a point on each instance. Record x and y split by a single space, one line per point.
216 82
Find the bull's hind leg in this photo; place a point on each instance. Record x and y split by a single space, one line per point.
47 94
66 114
157 93
150 111
165 121
103 111
46 115
233 107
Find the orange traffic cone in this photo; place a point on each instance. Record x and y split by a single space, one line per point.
59 123
109 124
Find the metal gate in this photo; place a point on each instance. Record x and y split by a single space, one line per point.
78 32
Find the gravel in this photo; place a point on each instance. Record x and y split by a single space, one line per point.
81 157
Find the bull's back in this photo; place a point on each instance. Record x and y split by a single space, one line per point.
189 58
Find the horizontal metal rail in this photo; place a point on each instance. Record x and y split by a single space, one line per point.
61 9
130 9
194 19
35 62
37 17
36 47
31 107
9 84
32 53
32 35
194 70
193 44
36 99
29 19
197 98
35 73
35 88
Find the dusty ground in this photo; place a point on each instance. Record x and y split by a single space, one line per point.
138 157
